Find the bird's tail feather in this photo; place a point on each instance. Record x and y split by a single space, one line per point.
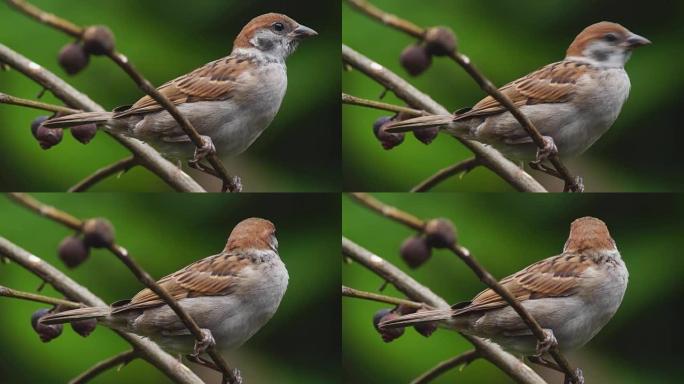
78 119
419 122
76 314
417 318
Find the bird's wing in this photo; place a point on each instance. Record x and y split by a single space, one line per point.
217 80
557 276
554 83
215 275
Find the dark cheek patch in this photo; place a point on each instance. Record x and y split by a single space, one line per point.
599 55
265 44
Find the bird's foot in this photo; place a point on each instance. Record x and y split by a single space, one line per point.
207 341
237 376
549 342
578 375
202 152
576 186
549 149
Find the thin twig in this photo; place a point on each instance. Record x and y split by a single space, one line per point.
9 292
464 358
122 358
351 292
230 183
461 167
482 274
122 165
148 156
8 99
166 363
490 157
464 61
122 254
353 100
508 363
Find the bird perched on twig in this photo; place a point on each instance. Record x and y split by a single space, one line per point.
571 102
231 294
571 295
230 101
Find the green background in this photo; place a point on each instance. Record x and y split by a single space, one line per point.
165 232
165 39
506 40
505 233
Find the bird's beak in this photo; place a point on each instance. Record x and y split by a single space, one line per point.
635 41
302 32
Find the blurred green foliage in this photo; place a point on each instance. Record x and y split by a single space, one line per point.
165 39
641 344
165 232
506 40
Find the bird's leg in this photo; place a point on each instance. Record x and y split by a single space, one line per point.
548 149
549 342
206 342
205 150
578 374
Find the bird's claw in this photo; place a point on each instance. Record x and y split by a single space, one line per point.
549 342
237 376
549 149
234 185
578 374
577 186
206 342
202 152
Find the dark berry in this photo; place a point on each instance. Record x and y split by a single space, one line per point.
84 133
36 123
425 329
84 327
415 251
49 137
415 59
98 233
382 120
440 41
387 334
98 40
404 309
45 331
72 58
440 233
73 251
426 135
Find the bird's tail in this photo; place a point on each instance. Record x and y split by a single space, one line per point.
76 314
78 119
419 122
418 318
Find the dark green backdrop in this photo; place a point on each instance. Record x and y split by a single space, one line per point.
301 344
164 39
640 345
506 40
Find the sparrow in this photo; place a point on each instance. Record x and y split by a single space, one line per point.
229 101
571 102
231 294
571 295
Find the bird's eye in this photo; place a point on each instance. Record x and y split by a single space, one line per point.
610 37
278 27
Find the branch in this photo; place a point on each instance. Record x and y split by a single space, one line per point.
122 358
8 292
482 274
353 100
122 254
351 292
230 183
490 157
464 358
148 157
166 363
122 165
464 166
508 363
571 183
8 99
